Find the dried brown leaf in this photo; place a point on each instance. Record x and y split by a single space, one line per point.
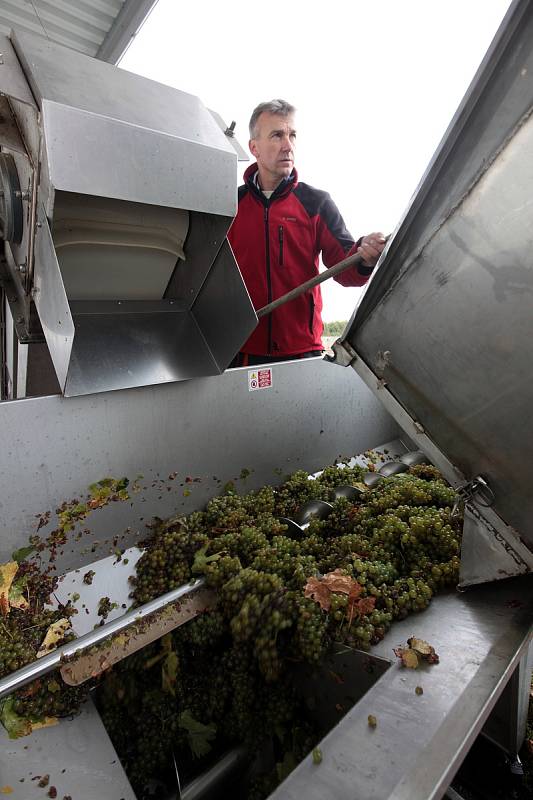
366 605
319 592
338 582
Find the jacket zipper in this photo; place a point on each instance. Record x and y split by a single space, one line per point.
280 237
312 313
269 281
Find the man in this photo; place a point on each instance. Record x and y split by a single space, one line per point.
281 228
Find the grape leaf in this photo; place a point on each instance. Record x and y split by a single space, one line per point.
421 647
338 582
16 594
198 734
359 607
22 553
319 592
365 605
15 725
7 573
55 633
408 657
46 722
417 650
169 672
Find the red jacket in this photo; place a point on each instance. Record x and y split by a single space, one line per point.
277 243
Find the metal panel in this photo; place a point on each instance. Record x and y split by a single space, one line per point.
12 80
420 741
220 309
135 348
448 322
62 76
77 754
205 236
507 723
136 164
9 133
206 428
51 300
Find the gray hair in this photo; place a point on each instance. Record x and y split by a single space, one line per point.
278 106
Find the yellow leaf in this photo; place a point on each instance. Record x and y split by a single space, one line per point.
47 722
6 790
409 657
54 634
420 646
7 573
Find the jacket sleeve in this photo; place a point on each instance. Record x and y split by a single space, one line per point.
336 243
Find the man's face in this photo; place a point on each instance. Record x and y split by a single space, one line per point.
273 146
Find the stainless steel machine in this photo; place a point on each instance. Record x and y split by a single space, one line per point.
117 193
439 345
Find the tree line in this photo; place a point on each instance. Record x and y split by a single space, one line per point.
334 328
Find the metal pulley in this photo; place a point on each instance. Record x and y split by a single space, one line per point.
11 209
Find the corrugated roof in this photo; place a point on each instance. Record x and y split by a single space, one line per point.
101 28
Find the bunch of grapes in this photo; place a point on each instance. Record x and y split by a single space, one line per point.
230 670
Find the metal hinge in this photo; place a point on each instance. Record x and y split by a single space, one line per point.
343 353
477 489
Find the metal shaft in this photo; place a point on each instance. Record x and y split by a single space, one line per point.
42 666
346 263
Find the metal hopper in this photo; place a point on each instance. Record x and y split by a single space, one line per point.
117 196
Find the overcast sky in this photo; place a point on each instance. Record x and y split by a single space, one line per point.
376 84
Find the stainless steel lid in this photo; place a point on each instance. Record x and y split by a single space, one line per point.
447 321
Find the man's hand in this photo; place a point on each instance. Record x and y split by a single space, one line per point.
371 247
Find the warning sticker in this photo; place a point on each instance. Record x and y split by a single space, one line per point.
259 379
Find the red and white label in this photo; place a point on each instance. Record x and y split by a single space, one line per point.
259 379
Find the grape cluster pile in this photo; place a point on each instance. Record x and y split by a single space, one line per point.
398 543
22 631
227 677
